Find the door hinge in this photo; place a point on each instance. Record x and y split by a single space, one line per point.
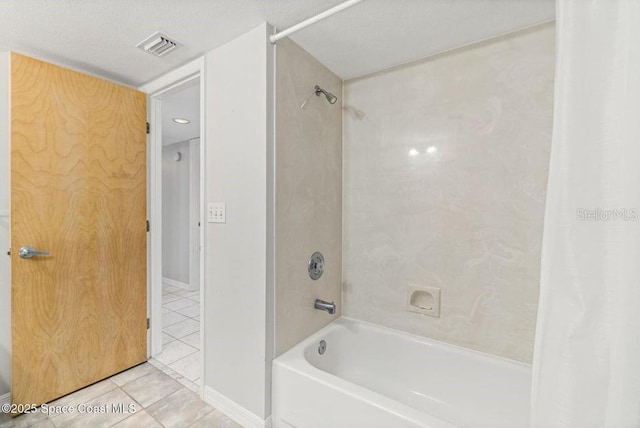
148 226
9 252
148 323
148 128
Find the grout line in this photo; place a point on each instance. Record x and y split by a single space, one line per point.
138 405
182 375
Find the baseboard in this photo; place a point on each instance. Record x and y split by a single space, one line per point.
235 411
5 399
178 284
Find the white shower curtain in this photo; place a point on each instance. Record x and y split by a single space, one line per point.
586 369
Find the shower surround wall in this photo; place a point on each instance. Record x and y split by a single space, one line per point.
446 163
308 193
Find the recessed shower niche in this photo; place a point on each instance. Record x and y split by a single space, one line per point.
424 300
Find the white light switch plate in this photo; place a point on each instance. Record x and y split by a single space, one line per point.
216 212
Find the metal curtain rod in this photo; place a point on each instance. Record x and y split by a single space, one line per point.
319 17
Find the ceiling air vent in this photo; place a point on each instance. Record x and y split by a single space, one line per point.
158 44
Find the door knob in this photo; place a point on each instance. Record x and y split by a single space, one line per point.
27 252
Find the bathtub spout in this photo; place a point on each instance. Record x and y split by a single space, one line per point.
325 306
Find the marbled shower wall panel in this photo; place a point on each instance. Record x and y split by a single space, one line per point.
445 174
308 193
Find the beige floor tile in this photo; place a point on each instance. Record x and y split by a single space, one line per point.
170 288
150 388
155 363
183 328
180 409
85 395
5 419
166 298
215 419
188 367
171 318
45 423
103 411
193 386
132 374
166 339
180 303
193 294
22 421
140 419
174 351
192 339
190 311
170 372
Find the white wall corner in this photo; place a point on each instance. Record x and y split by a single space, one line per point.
234 410
236 261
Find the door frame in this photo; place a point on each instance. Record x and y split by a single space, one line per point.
195 223
154 90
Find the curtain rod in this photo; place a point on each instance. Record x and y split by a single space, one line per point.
319 17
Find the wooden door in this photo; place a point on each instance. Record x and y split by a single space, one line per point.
78 191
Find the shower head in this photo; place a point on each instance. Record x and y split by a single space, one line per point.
330 97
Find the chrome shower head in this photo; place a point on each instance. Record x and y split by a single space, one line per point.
330 97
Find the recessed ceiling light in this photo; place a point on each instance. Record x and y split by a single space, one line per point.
181 121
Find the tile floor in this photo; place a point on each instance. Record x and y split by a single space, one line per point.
149 398
181 355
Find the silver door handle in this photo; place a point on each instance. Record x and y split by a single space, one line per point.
27 252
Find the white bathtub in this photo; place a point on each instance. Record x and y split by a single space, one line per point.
371 376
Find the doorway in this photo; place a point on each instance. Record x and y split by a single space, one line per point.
176 292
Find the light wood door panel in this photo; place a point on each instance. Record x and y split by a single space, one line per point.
78 190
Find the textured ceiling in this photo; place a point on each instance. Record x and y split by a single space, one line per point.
378 34
99 36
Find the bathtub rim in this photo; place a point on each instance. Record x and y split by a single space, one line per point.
345 321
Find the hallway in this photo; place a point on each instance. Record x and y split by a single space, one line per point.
181 354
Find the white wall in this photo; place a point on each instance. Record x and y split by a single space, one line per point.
238 272
176 219
5 304
445 173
